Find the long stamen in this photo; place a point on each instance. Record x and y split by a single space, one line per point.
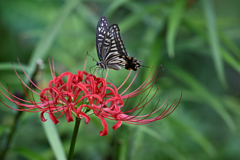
125 80
85 94
50 66
106 74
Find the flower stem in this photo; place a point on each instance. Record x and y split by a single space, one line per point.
74 137
10 136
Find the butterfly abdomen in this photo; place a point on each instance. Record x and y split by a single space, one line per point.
131 63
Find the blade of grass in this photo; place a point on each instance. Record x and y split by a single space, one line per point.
54 139
214 40
147 130
123 149
83 10
196 135
50 34
227 57
230 45
173 25
203 93
3 128
233 104
28 153
230 60
52 136
9 66
113 7
139 13
138 141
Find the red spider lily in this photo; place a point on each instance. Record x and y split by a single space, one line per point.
84 94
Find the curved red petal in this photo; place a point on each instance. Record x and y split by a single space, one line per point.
105 127
117 125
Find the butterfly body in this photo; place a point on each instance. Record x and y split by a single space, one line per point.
132 63
110 48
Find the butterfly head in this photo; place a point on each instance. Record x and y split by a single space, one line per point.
101 65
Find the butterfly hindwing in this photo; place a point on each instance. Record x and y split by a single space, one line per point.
113 50
117 43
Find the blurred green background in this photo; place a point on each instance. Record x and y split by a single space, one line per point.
196 41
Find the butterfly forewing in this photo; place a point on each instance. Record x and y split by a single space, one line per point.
102 27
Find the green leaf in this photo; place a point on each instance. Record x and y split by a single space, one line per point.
230 45
232 104
53 138
9 66
3 128
230 60
147 130
214 40
83 10
227 57
196 135
202 93
137 142
150 132
123 149
50 34
114 6
173 25
139 14
28 153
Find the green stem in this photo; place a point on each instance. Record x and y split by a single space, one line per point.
74 137
10 136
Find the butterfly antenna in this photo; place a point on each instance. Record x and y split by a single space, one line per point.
145 66
142 65
92 57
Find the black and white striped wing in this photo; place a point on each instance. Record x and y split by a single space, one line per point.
102 27
113 51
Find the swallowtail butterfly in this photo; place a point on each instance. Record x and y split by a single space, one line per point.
110 48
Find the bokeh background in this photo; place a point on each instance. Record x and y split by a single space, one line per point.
196 41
